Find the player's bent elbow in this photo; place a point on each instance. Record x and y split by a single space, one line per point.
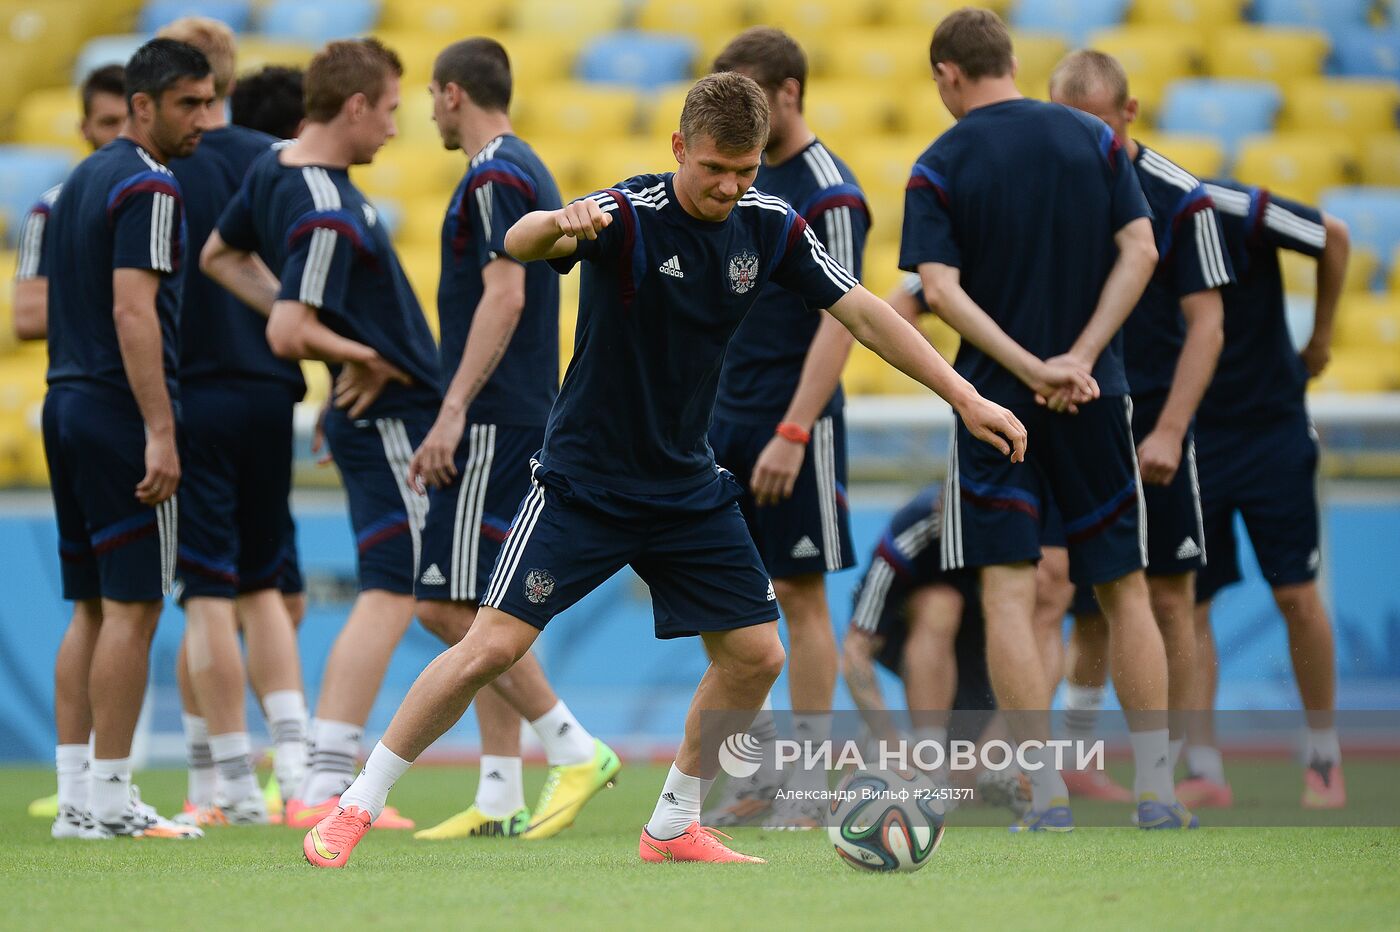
283 337
1338 233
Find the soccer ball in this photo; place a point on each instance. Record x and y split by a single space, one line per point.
885 821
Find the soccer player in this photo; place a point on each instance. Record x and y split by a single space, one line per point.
1171 342
626 475
336 292
1258 456
114 264
779 394
500 363
237 400
1030 232
269 100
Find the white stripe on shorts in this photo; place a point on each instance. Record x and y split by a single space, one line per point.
873 594
509 560
484 453
824 463
399 455
1137 477
463 494
952 550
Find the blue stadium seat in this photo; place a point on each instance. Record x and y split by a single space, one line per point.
316 22
639 58
1371 213
1073 19
25 173
105 50
1330 15
157 13
1368 52
1227 110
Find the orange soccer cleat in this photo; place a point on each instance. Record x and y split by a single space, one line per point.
1095 784
1323 787
299 815
1204 793
331 840
696 843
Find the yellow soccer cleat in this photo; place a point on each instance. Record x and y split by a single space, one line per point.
567 789
473 823
44 808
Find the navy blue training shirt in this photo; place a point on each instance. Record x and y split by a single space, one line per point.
1191 257
662 293
1024 197
220 336
764 362
323 240
120 209
1260 375
505 181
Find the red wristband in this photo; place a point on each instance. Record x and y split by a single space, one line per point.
794 432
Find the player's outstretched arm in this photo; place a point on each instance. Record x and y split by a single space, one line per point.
944 293
295 332
858 668
553 234
242 273
30 302
1331 272
893 339
1159 454
139 339
497 315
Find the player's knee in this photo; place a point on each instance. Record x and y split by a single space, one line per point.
441 620
1299 604
803 600
480 660
768 660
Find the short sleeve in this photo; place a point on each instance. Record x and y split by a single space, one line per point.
1127 201
236 227
841 218
148 223
31 260
1198 259
928 234
613 241
1288 224
498 194
321 249
807 269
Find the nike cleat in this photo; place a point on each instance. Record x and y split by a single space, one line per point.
568 788
74 823
696 843
1203 793
331 840
1152 814
1008 788
1053 819
272 801
1323 786
1096 784
46 807
250 811
299 815
473 823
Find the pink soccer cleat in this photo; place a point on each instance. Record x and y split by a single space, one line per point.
331 840
1201 793
1095 784
696 843
1323 787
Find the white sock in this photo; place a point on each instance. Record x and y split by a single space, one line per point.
500 790
1323 746
1174 747
764 728
286 722
814 730
371 788
200 761
234 765
1047 785
1152 765
335 748
1082 707
72 764
565 740
109 793
1204 761
678 806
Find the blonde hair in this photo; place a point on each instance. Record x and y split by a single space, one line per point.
729 108
1078 73
214 39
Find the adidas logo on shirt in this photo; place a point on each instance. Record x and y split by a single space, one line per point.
804 548
1187 550
432 576
672 267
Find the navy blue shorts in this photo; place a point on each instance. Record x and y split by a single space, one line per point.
1085 463
811 531
290 581
693 551
468 520
110 545
387 516
1268 474
237 459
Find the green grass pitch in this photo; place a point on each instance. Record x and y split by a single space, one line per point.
590 877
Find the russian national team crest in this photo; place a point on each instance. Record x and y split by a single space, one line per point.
743 272
539 585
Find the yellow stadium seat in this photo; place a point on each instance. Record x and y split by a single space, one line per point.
920 111
417 51
882 167
661 113
1366 320
1148 51
50 117
448 19
1300 272
1198 14
700 18
577 109
1296 165
1037 54
1380 160
566 17
1202 156
610 163
539 60
404 172
843 111
1266 53
806 18
921 15
33 464
318 381
872 55
880 270
420 226
565 159
254 53
414 117
53 28
1360 370
1357 108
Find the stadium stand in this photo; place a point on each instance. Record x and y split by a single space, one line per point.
157 13
640 59
1228 110
1073 21
315 23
